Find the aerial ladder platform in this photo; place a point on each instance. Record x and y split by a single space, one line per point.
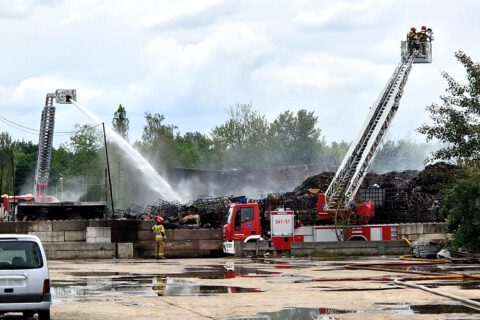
341 193
45 141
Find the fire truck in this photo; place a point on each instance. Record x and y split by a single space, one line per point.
251 221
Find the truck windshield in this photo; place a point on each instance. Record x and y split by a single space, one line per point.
230 212
20 255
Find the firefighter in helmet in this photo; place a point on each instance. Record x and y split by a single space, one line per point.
160 238
412 39
423 37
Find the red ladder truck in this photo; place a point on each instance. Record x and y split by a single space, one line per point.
249 220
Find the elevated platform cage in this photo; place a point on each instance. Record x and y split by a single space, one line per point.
422 51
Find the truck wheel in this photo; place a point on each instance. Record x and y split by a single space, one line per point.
44 315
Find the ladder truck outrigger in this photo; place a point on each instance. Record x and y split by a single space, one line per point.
248 221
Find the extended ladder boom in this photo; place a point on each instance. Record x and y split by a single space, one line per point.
47 125
44 155
361 153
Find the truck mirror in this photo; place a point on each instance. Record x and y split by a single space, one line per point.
65 96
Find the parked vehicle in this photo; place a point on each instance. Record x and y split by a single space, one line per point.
24 278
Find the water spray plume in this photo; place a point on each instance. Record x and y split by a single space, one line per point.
150 176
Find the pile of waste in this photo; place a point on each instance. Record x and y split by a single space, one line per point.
408 196
204 212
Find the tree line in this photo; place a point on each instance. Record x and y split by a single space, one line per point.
246 140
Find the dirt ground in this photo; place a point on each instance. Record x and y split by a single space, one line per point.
213 289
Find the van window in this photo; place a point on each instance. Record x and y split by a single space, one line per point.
20 255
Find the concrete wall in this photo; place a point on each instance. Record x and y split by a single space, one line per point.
353 248
70 234
429 231
76 250
190 243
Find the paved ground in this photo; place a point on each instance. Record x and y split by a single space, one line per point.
218 289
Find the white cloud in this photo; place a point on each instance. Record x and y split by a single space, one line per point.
190 60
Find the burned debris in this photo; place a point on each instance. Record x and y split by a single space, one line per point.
408 196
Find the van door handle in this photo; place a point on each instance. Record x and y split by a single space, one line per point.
8 290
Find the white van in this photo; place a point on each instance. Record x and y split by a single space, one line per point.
24 280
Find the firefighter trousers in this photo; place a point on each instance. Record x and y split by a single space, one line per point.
160 249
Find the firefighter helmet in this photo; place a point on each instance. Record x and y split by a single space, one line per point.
160 219
413 29
424 28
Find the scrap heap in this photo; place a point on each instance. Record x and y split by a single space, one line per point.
408 196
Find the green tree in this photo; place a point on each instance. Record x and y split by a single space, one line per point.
242 139
334 154
25 154
296 138
6 153
456 122
120 122
193 150
158 139
87 163
457 125
461 202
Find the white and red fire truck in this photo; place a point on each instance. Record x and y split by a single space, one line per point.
247 221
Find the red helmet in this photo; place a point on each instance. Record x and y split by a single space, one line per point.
413 29
424 28
160 219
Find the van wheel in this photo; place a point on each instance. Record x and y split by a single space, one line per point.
28 315
44 315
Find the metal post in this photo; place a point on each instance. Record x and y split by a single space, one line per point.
61 186
13 180
110 185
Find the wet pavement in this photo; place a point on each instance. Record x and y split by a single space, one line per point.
226 288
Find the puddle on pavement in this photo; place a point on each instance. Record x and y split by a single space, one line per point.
363 289
447 268
426 308
201 272
327 313
156 286
285 264
296 313
461 284
106 283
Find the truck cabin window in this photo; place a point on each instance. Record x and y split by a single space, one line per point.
243 215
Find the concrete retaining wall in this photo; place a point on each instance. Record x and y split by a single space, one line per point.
353 248
76 250
429 231
187 243
181 243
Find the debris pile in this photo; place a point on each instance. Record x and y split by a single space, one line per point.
408 196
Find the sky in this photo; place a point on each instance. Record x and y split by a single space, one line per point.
190 60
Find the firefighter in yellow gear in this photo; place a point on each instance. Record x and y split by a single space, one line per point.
412 39
423 37
160 238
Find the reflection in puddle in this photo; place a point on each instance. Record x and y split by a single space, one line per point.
297 313
155 286
427 308
202 272
460 284
326 313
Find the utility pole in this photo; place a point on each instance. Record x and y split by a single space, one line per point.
13 180
110 186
